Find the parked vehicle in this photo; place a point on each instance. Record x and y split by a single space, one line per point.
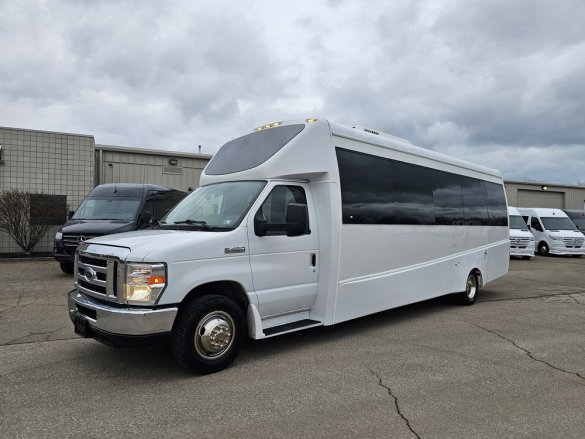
578 218
522 241
554 232
296 225
111 208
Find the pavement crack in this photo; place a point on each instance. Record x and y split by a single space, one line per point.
541 296
397 405
527 352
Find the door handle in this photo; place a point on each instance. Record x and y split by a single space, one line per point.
313 259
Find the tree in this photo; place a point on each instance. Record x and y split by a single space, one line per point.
19 216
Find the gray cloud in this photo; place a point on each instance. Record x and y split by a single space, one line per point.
496 82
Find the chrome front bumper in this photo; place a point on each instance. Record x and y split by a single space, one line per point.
119 321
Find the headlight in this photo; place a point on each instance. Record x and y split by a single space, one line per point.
144 283
59 236
555 238
532 238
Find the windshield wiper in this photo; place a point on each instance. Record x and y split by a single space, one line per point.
190 222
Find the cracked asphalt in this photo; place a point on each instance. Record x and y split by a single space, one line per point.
511 366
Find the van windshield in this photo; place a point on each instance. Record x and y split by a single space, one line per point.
115 208
551 223
220 206
517 222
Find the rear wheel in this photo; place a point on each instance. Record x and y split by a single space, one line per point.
208 334
468 296
66 267
543 249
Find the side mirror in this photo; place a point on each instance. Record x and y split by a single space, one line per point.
297 219
529 228
260 228
70 214
144 219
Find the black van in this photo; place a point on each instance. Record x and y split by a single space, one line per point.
578 217
112 208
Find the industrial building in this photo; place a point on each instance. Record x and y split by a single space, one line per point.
67 166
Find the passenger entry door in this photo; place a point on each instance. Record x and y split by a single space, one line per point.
284 267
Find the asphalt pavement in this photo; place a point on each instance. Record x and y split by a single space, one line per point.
511 366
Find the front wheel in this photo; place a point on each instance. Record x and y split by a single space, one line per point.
208 334
66 267
468 296
543 249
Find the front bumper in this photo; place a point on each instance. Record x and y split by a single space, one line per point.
561 249
522 251
115 324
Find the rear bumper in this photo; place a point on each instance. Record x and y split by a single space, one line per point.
118 325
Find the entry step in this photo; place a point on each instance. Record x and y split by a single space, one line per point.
299 324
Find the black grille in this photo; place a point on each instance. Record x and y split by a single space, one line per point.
93 287
93 261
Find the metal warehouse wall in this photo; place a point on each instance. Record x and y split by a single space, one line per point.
133 165
49 162
535 194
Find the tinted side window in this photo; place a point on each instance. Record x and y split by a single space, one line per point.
412 193
474 201
496 204
366 189
165 201
448 199
251 150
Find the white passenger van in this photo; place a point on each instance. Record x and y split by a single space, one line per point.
554 232
296 225
522 242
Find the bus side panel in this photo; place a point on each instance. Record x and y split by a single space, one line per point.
384 267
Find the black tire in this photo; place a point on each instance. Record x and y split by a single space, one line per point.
468 297
66 267
208 334
543 249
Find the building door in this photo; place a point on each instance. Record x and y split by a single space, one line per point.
529 198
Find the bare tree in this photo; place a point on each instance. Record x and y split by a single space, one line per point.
20 219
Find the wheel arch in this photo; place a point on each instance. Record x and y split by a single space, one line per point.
228 288
478 275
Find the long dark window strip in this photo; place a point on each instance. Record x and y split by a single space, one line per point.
376 190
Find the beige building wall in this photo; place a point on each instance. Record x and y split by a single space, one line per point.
134 165
536 194
48 162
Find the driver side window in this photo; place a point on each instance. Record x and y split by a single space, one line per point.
273 212
535 224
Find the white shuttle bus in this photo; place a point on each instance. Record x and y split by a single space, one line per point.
296 225
522 242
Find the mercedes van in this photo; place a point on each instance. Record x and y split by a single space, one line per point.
521 240
554 232
111 208
578 217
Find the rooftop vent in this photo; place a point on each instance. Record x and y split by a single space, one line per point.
380 133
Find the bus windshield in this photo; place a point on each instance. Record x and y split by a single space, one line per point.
215 206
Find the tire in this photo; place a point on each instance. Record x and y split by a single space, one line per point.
543 249
208 334
468 297
66 267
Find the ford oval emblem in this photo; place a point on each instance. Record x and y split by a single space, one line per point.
89 274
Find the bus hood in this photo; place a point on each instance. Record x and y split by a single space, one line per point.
177 245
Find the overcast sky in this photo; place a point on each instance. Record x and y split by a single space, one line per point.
497 82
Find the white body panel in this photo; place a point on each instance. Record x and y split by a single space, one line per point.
338 271
522 242
559 242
